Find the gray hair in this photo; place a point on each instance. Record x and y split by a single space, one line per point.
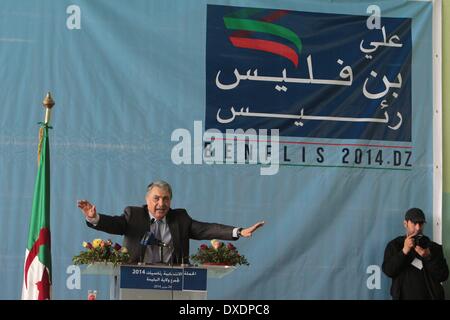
160 184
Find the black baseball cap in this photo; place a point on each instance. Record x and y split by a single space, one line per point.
415 215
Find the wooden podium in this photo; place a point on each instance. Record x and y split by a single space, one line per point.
158 282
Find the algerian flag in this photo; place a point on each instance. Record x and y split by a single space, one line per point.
38 263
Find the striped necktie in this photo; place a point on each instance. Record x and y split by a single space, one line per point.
157 230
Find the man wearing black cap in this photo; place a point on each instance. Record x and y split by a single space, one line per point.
415 263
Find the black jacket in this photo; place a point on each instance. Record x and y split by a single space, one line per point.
398 266
135 222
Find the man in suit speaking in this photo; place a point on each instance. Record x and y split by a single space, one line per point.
172 227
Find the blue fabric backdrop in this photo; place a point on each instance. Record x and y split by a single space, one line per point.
135 72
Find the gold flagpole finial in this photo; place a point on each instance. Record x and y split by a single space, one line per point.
48 105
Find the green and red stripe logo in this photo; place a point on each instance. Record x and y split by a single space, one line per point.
248 29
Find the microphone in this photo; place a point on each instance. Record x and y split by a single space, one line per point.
160 243
146 238
149 239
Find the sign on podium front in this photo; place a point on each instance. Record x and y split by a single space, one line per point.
158 282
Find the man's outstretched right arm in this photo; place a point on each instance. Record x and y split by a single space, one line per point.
109 224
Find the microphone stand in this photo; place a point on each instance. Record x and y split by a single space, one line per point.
144 240
161 253
171 278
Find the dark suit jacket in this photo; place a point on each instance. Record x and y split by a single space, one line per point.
135 222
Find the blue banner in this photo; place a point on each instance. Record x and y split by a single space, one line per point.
171 90
308 74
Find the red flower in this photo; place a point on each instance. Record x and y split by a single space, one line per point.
219 253
117 246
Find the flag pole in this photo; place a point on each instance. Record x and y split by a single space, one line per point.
48 104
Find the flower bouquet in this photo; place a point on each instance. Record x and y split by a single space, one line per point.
102 251
219 253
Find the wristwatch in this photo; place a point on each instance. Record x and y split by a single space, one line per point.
239 232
